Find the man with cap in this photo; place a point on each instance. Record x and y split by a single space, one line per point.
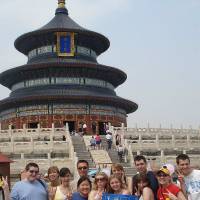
167 190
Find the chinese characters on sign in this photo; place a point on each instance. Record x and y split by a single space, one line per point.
65 44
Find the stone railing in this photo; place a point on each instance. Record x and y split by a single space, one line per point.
45 146
154 143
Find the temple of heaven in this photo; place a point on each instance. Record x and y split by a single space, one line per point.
62 80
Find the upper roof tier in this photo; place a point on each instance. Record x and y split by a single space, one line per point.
61 23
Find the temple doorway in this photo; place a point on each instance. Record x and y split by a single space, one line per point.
33 125
102 128
71 125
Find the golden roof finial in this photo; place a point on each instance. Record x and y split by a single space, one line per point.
61 3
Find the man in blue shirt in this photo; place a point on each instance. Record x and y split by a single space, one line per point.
30 188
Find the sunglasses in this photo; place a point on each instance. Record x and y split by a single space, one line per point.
33 171
99 179
82 168
162 175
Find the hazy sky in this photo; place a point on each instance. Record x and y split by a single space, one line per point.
156 42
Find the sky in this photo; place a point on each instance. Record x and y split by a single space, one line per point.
155 42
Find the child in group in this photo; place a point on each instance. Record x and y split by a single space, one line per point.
116 185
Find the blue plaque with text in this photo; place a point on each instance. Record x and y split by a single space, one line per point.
107 196
65 44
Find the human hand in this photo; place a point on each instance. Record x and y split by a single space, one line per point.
69 196
137 192
5 183
52 192
180 177
170 195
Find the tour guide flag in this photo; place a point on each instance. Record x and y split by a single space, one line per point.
65 44
107 196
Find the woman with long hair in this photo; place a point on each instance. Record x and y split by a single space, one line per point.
100 185
143 190
119 171
116 185
64 190
167 189
53 176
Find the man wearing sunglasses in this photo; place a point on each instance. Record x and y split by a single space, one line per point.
30 188
82 168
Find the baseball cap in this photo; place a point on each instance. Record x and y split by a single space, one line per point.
164 170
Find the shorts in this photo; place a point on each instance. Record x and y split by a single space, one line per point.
98 142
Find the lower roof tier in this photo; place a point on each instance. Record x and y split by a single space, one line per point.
115 101
65 90
62 69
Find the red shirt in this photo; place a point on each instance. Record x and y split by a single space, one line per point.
162 191
97 138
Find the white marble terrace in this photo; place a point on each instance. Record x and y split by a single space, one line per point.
161 145
44 146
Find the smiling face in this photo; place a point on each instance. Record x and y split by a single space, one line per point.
184 167
141 185
53 175
65 180
84 188
31 173
82 169
163 179
100 181
115 185
117 172
141 166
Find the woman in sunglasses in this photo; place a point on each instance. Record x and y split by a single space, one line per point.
100 185
167 190
143 190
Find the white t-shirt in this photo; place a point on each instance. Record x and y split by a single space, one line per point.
108 136
192 182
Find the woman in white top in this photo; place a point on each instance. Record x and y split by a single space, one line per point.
64 190
100 185
143 188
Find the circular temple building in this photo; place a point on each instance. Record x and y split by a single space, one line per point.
62 80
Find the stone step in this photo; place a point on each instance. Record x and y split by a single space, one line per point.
81 151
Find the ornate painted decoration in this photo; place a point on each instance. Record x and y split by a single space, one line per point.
65 44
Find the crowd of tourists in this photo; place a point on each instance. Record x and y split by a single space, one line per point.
146 185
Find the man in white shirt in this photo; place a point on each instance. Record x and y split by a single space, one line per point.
189 178
109 139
